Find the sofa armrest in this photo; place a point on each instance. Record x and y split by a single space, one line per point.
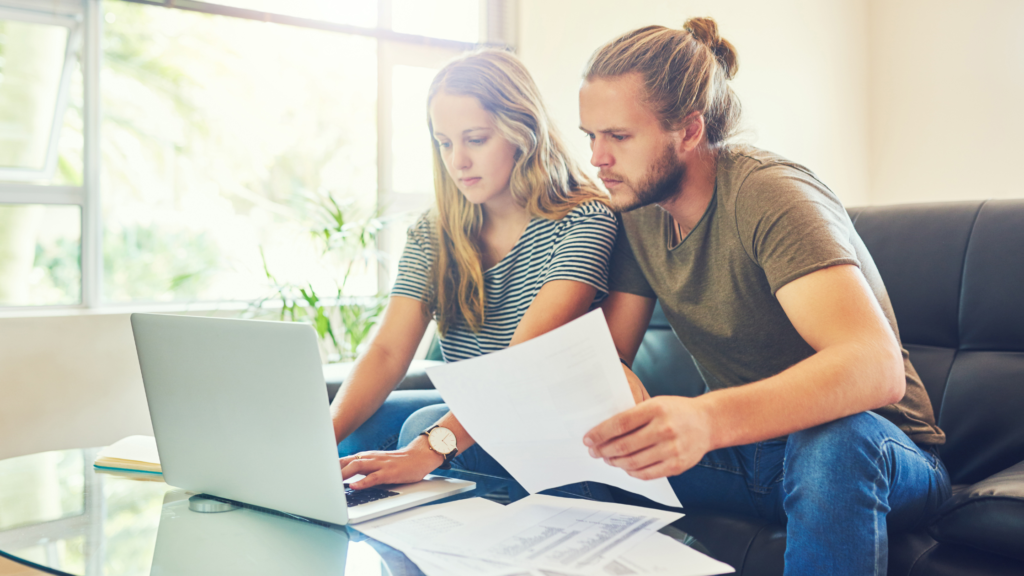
415 379
989 515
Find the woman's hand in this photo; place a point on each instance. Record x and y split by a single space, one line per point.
405 466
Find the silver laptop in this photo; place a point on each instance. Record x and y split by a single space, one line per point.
240 412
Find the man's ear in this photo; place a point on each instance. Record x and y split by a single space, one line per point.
691 132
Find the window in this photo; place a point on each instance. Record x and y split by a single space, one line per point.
222 126
41 156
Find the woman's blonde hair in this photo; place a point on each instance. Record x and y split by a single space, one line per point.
683 71
545 180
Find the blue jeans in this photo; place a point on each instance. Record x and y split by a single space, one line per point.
380 432
838 488
406 413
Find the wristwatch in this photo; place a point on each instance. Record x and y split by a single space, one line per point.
442 441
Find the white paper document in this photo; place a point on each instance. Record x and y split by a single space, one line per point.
566 535
658 555
409 530
530 405
662 555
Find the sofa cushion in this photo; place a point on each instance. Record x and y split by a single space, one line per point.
933 365
415 379
982 414
989 515
919 251
992 306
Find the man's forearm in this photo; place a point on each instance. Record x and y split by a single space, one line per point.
829 385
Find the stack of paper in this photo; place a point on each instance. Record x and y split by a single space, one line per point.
539 535
133 454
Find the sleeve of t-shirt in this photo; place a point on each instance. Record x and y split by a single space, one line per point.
583 247
625 273
791 224
414 266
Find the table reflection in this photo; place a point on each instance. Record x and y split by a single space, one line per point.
243 541
60 515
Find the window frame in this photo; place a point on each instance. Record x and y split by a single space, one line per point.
73 24
497 25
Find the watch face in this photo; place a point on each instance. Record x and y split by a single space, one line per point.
442 440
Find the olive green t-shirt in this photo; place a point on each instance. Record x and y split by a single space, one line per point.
769 222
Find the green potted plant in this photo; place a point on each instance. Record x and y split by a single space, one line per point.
342 322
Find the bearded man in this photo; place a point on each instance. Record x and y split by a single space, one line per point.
815 418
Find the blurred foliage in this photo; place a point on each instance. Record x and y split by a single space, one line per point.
61 262
342 323
152 263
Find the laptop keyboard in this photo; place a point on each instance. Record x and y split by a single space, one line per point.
357 497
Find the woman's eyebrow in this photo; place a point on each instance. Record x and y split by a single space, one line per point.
466 131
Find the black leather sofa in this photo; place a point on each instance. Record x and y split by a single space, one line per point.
955 275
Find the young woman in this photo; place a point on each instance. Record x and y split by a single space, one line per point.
517 244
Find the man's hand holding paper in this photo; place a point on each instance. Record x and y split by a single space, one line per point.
531 405
662 437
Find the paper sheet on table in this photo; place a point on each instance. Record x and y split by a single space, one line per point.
408 530
531 404
659 555
662 555
567 535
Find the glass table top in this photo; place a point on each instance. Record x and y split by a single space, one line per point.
60 515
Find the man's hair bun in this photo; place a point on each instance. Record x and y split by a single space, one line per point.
705 31
683 71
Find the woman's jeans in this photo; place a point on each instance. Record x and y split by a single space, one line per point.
406 413
839 488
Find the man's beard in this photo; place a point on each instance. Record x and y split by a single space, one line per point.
662 180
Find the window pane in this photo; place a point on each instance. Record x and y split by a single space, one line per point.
31 66
411 168
353 12
451 19
71 143
40 255
412 172
220 135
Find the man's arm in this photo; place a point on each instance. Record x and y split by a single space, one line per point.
857 366
628 316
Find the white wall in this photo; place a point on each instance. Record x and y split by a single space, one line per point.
802 77
946 99
888 101
68 382
73 381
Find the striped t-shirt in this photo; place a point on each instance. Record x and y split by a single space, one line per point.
577 247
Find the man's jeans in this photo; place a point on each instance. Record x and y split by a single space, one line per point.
838 488
406 413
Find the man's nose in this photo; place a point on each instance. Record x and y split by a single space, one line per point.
599 155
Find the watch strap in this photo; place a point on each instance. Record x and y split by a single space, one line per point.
447 464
